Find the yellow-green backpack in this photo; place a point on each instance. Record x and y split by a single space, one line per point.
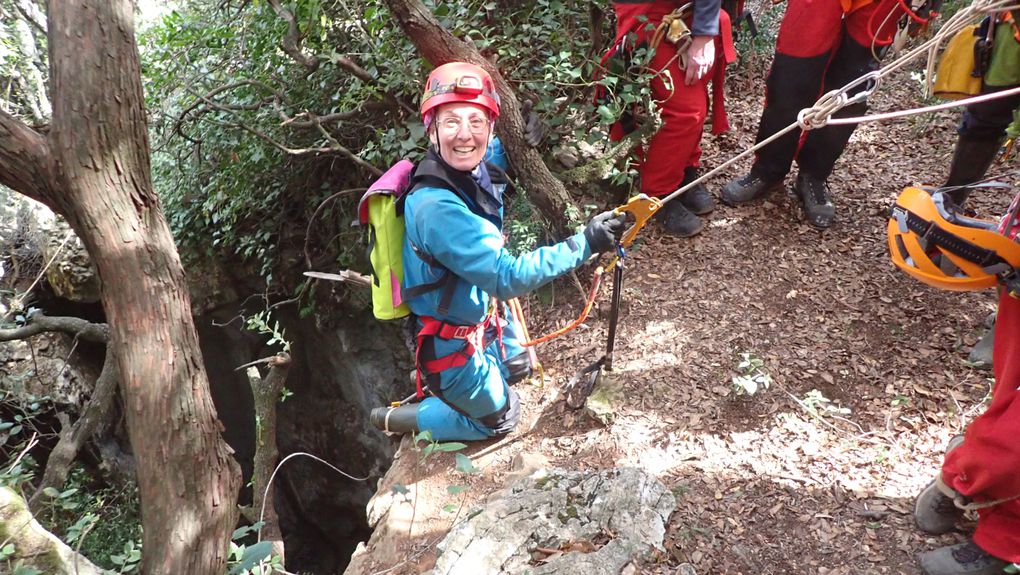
378 211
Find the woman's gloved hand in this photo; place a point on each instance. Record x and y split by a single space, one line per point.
604 230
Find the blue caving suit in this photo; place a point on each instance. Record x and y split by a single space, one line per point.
459 232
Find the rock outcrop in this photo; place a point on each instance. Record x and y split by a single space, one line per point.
562 522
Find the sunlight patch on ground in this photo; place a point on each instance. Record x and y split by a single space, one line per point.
793 449
723 222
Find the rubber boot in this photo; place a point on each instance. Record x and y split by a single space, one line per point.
971 159
400 420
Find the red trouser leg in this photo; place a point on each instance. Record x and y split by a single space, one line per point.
987 466
808 34
683 108
818 49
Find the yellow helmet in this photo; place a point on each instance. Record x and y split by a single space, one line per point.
930 241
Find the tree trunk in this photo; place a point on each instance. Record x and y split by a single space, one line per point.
95 172
438 46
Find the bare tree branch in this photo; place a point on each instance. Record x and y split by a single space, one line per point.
334 148
292 40
24 160
73 437
335 117
41 323
32 14
266 394
601 167
366 77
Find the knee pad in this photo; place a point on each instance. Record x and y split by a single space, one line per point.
507 418
518 368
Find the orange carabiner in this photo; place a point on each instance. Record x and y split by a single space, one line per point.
642 207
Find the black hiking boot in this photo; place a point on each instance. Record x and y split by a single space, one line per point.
814 197
748 188
678 221
697 199
960 559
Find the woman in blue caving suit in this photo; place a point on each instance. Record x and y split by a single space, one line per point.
456 268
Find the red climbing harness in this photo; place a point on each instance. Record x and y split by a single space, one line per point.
473 336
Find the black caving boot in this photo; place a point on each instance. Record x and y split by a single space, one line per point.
971 159
814 196
678 221
697 199
402 419
748 188
961 559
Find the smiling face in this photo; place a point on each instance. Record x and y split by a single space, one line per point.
461 133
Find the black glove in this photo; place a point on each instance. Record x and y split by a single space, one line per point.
604 230
534 131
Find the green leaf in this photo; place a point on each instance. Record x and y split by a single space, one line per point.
451 446
252 555
456 489
399 489
465 465
51 492
450 507
242 531
26 570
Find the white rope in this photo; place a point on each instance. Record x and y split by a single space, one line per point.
924 110
269 484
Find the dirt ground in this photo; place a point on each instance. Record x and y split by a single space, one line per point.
817 473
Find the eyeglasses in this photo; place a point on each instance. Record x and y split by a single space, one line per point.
475 124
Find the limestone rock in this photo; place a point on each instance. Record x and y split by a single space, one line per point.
45 366
71 275
599 522
33 545
606 397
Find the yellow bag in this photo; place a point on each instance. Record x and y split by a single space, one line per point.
953 79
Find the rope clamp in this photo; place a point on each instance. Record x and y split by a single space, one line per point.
641 207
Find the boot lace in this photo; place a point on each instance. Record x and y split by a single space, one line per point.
817 191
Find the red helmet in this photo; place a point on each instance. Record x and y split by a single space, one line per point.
459 82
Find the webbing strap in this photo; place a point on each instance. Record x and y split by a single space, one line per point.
952 243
